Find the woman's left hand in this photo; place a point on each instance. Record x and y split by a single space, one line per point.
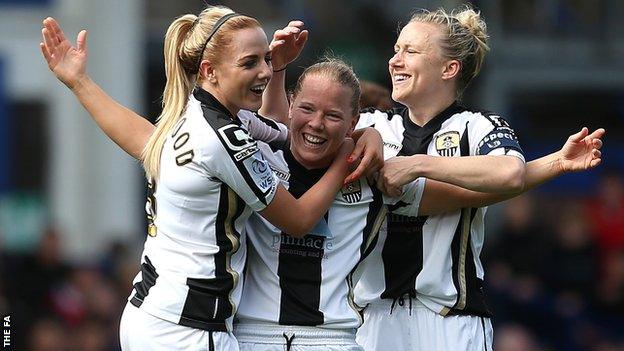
582 151
287 44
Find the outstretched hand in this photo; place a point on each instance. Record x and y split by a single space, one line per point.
67 62
287 44
582 150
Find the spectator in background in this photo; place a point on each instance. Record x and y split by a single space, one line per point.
48 334
375 95
606 214
571 268
514 338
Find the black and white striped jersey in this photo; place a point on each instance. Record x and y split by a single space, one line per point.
434 258
307 281
212 177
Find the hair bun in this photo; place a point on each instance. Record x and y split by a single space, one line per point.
471 20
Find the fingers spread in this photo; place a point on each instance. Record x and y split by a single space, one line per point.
598 133
580 135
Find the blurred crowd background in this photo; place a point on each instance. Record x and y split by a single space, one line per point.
71 203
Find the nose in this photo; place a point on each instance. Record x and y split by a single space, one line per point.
395 60
266 71
316 121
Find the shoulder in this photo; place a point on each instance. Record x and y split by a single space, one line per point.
250 118
222 134
485 117
397 112
372 116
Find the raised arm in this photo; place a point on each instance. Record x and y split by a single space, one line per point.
285 47
580 152
126 128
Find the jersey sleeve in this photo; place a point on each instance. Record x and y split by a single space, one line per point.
495 137
234 158
409 202
369 116
262 128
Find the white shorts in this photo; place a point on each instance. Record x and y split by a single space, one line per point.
417 328
270 337
140 331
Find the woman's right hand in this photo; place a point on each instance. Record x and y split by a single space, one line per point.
67 62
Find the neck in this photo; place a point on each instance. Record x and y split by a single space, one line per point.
219 96
307 165
427 108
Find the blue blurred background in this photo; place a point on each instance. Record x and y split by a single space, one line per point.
71 202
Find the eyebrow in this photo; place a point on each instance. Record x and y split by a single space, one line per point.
248 56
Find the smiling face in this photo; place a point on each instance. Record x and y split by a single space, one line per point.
321 117
417 66
243 71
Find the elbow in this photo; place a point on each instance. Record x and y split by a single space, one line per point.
514 177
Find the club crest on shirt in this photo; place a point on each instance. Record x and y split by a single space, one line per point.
447 143
352 192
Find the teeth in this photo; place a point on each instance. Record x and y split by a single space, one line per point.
400 77
313 139
258 88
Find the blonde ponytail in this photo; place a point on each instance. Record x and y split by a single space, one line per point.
186 44
177 89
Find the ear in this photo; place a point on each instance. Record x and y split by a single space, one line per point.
451 69
207 72
354 121
290 108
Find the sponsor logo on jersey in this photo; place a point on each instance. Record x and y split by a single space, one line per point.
259 167
309 246
238 141
447 143
498 138
260 172
285 176
352 192
392 146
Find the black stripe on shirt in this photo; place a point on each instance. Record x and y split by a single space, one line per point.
222 122
269 122
459 244
208 303
402 254
300 259
148 279
300 275
475 304
372 226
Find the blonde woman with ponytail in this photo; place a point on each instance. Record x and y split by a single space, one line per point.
205 174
